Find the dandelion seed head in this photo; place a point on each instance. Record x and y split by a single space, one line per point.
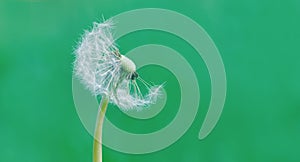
104 71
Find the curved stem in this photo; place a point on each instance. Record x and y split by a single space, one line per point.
97 148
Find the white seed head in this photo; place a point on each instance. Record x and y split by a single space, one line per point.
103 71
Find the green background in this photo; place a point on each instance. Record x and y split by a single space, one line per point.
258 41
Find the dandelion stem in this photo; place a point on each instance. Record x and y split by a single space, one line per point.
97 149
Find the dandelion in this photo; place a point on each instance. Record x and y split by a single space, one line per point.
104 71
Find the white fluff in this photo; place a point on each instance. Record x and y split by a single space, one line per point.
104 72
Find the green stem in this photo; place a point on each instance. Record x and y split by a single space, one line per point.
97 149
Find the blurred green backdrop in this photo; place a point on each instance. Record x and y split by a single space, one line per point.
259 43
